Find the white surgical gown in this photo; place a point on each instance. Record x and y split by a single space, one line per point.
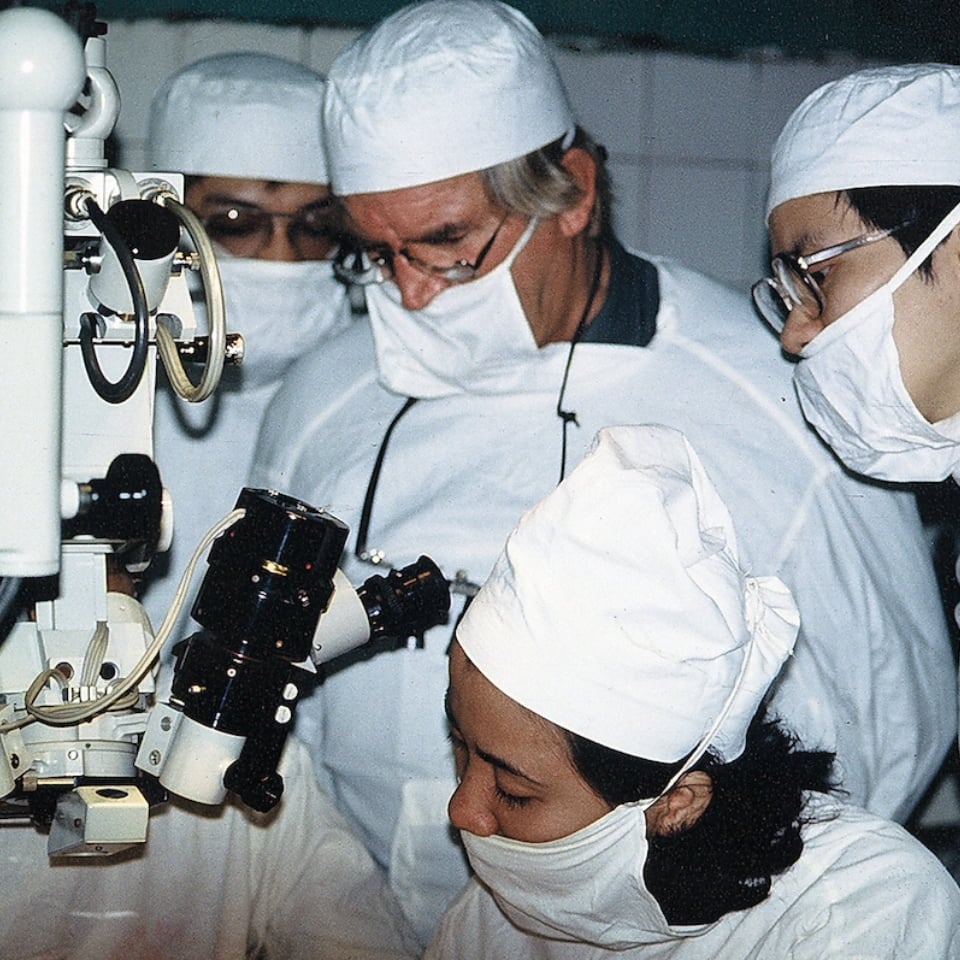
872 676
863 889
210 884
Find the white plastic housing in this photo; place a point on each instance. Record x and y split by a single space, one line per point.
41 74
343 626
189 758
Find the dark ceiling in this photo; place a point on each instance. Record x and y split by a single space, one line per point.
891 30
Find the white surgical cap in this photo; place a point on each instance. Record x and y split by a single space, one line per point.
240 115
440 89
885 127
618 609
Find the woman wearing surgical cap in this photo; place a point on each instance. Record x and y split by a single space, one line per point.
619 795
865 288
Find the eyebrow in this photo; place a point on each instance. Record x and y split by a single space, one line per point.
446 233
805 241
449 232
227 200
485 755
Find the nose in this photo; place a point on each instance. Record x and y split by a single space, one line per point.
278 245
800 328
469 809
416 288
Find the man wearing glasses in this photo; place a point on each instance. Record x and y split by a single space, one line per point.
865 291
508 325
243 127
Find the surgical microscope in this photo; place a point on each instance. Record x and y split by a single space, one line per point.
95 725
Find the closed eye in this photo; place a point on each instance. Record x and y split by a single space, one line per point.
510 799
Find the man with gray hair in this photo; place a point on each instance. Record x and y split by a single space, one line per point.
509 325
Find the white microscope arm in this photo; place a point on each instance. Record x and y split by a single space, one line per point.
81 496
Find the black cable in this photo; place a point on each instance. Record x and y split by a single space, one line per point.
122 389
9 588
363 528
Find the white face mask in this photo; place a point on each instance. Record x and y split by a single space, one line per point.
588 887
470 337
283 309
851 389
585 888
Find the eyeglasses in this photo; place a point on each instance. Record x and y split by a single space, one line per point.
245 229
369 265
793 285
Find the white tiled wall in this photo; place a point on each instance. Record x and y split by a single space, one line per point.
689 141
688 137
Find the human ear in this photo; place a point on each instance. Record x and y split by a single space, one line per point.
683 806
583 168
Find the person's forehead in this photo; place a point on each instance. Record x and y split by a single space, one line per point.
812 222
476 702
411 212
277 195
